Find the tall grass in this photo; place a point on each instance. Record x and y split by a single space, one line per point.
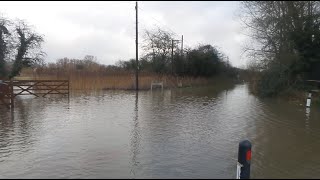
122 80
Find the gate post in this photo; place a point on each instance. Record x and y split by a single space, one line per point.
11 94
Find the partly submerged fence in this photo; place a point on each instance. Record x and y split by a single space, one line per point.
39 88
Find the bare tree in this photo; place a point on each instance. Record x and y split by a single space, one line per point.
287 40
280 28
28 48
157 46
157 42
4 33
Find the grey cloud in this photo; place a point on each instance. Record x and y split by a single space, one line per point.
107 29
204 22
104 46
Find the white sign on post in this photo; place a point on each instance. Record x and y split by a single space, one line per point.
238 170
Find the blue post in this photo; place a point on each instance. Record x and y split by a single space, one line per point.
244 160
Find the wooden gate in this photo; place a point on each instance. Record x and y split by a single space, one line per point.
38 88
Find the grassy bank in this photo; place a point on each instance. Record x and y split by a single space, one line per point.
293 95
299 96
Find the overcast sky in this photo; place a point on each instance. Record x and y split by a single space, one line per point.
107 29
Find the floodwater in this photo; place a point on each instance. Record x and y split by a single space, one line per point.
180 133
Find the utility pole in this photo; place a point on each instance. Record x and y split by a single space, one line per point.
172 57
182 57
137 62
152 51
172 54
182 46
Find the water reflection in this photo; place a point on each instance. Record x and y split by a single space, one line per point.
135 139
178 133
284 137
307 118
6 126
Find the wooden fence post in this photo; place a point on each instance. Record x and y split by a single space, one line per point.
11 94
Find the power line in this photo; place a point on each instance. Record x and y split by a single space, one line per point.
166 26
174 32
143 21
142 24
160 22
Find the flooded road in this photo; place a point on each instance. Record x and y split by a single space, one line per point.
180 133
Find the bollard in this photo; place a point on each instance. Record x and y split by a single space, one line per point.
244 160
309 100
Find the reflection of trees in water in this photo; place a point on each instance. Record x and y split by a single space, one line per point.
274 129
6 127
135 138
205 91
88 95
307 119
285 135
167 107
17 128
175 122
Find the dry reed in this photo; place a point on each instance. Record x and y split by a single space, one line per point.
86 80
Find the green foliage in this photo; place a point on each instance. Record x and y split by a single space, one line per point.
203 61
272 81
128 65
288 34
162 55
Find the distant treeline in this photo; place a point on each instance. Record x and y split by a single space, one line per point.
203 61
160 56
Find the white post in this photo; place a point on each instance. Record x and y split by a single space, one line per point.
238 170
309 100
